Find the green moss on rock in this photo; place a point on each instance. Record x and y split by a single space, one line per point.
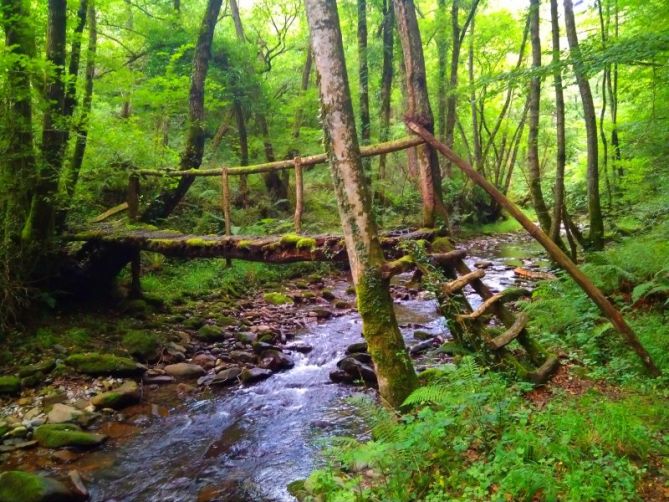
19 486
118 398
93 363
442 245
42 367
291 239
306 243
62 435
210 333
141 345
277 298
10 384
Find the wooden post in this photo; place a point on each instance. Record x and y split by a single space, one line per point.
299 195
225 202
133 197
553 249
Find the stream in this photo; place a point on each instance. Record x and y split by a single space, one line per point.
249 443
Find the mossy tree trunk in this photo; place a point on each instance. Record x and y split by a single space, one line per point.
534 171
393 366
418 108
594 205
191 157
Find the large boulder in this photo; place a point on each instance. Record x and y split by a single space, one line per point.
19 486
62 435
95 364
126 394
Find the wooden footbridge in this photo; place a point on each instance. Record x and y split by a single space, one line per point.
510 347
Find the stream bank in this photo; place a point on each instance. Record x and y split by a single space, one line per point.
246 442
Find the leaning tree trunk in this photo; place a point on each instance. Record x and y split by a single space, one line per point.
534 170
191 157
594 205
394 370
561 157
39 227
418 107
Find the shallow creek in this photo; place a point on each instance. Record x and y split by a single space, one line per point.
249 443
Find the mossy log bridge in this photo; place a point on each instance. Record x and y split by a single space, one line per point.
287 248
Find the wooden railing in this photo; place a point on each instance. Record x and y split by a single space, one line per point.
297 163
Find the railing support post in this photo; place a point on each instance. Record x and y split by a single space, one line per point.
299 195
133 197
225 203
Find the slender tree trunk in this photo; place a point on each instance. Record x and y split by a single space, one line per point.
306 74
442 56
418 107
75 58
386 85
476 137
363 78
393 366
534 170
560 159
39 227
243 195
594 203
71 174
273 183
606 76
17 159
191 158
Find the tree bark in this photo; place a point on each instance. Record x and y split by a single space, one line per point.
596 237
560 159
71 174
442 56
39 227
534 170
243 195
476 135
306 74
191 158
418 108
363 76
393 366
386 83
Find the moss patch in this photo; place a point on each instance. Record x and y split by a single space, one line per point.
442 245
125 395
62 435
306 243
96 364
141 345
276 298
10 384
291 239
42 367
19 486
210 333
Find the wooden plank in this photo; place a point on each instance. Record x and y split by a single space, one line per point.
451 258
459 283
110 212
510 334
506 295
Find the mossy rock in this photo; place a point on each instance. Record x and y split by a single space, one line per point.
10 384
328 295
126 394
95 364
442 245
141 345
19 486
32 381
297 490
453 349
277 298
62 435
43 367
226 320
306 243
136 307
210 333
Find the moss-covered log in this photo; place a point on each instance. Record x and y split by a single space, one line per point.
271 249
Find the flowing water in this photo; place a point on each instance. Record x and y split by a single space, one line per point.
249 443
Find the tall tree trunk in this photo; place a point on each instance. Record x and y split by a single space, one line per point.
191 157
418 107
478 153
458 35
71 174
17 159
560 159
386 82
75 58
393 366
39 227
442 56
363 77
594 205
534 171
606 77
273 182
306 74
243 195
613 94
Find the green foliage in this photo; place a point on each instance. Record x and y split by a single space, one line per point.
141 344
